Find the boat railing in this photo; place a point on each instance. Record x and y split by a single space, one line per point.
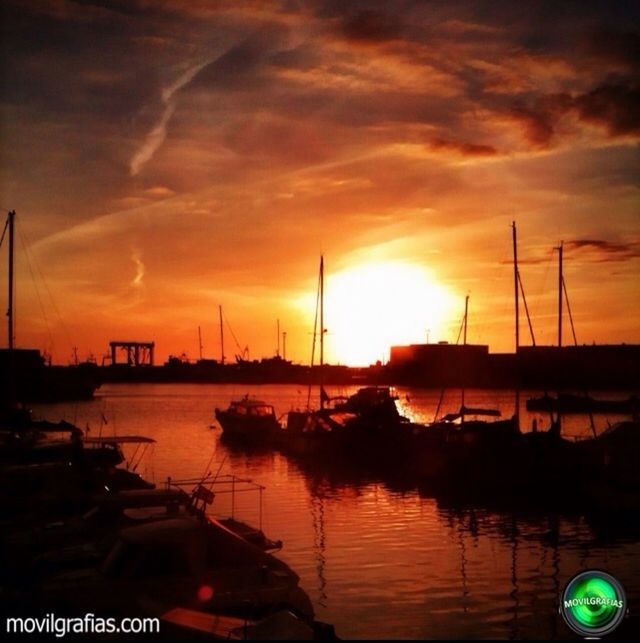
204 490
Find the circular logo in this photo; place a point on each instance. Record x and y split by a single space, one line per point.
593 603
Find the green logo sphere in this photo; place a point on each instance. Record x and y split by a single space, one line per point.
593 603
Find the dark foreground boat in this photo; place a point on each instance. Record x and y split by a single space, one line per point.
157 553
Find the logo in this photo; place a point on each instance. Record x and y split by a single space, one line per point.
593 603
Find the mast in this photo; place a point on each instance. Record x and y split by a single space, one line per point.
516 283
560 294
321 331
10 331
278 337
558 424
516 287
200 341
221 336
464 343
466 313
284 344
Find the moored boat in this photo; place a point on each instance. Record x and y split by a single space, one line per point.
248 419
568 403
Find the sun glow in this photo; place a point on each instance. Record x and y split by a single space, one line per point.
372 306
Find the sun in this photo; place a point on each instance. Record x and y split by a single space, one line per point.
372 306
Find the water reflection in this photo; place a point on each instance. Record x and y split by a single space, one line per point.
380 557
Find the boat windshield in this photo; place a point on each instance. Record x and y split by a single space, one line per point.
261 410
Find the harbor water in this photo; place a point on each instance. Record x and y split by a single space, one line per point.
380 558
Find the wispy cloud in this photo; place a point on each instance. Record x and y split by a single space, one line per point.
152 142
156 137
602 250
136 257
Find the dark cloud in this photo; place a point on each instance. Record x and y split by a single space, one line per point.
602 250
615 107
537 125
464 149
618 46
371 26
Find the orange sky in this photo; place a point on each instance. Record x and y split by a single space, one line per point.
166 158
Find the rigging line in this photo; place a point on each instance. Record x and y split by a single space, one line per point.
235 339
460 331
4 232
575 341
526 309
54 306
37 289
566 297
442 390
543 291
313 343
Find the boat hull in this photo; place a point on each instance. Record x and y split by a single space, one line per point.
247 428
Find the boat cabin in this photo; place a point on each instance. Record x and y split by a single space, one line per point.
253 408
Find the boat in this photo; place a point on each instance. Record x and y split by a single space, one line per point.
249 420
475 440
603 467
569 403
364 427
609 469
24 373
283 625
155 550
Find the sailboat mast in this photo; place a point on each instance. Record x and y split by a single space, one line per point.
321 331
278 337
560 294
10 223
464 342
200 341
516 287
466 313
516 283
558 424
221 336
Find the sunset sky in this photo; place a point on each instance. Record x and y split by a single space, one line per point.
167 157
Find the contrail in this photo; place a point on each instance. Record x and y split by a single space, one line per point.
152 142
158 133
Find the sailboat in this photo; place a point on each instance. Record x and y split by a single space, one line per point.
472 439
24 375
309 430
476 441
609 462
365 426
